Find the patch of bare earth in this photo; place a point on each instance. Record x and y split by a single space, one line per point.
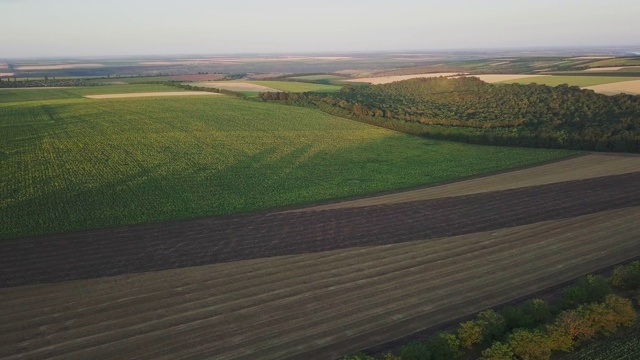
150 94
584 167
493 78
624 87
6 74
390 79
58 67
320 305
236 86
197 77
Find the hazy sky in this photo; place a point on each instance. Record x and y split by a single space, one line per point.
129 27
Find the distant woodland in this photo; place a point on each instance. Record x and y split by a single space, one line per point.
470 110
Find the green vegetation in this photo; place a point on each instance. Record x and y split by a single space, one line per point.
317 77
17 95
632 61
600 324
76 164
470 110
291 86
580 81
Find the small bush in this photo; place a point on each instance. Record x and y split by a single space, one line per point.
444 346
359 356
493 325
626 277
470 333
588 290
415 351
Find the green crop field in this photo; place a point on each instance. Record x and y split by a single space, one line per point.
616 62
317 77
572 80
77 163
291 86
26 94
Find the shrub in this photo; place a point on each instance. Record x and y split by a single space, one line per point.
528 316
498 351
470 333
626 277
390 356
493 326
359 356
415 351
587 290
444 346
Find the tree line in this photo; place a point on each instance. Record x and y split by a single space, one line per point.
470 110
592 308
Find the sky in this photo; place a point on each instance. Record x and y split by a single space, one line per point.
48 28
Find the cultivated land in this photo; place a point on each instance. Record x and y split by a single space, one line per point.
18 95
581 81
583 167
420 264
235 86
291 86
79 163
390 79
627 87
150 94
58 67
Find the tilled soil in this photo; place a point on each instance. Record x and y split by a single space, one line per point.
154 247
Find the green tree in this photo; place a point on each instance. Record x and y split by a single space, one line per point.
530 344
470 333
498 351
415 351
626 277
444 346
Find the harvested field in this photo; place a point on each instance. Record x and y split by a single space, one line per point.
7 74
581 81
236 86
4 66
390 79
150 94
58 67
626 87
196 77
318 305
611 68
584 167
493 78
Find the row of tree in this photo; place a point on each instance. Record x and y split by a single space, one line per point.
470 110
535 329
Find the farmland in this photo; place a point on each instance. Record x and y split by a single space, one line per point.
623 347
254 87
420 264
581 81
91 164
18 95
291 86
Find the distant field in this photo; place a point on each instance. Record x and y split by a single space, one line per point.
291 86
16 95
627 87
390 79
75 164
581 81
615 62
317 77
